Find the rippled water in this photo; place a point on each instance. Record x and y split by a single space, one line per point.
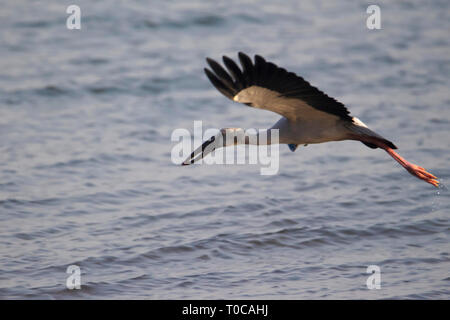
86 176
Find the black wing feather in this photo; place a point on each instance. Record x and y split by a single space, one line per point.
247 69
219 84
236 73
221 73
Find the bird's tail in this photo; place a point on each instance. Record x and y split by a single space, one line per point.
360 132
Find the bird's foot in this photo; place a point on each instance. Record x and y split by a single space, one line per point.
421 173
412 168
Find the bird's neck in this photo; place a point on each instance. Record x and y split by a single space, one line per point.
265 137
237 136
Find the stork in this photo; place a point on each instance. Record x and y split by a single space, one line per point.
309 116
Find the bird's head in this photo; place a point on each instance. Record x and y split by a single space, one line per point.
226 137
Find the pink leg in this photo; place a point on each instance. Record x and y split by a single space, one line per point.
413 169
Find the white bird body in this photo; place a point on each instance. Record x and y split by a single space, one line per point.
309 116
310 131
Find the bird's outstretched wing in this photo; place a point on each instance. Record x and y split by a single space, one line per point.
264 85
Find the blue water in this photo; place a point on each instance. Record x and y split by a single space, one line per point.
86 176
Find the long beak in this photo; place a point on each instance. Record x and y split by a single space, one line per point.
199 153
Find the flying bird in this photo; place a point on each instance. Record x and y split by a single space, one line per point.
309 116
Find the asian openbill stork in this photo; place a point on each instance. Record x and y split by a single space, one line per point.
308 115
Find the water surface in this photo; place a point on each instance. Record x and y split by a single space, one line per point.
86 177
